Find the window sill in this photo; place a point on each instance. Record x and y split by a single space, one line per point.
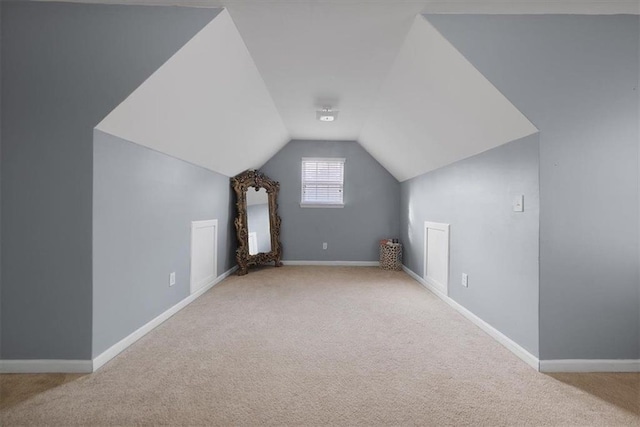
321 205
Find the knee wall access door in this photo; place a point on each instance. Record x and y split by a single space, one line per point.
436 255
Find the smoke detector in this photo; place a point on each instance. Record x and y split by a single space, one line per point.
326 114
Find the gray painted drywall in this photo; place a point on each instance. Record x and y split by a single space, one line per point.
0 180
371 197
576 79
258 222
64 67
143 205
495 246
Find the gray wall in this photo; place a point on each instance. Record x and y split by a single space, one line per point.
258 222
496 247
371 197
576 79
0 180
64 67
143 205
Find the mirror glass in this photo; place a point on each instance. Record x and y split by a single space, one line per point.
258 221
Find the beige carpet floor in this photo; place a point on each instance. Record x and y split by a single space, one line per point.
313 346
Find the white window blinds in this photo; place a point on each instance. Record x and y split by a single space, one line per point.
322 182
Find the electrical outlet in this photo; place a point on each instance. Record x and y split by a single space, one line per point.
172 279
324 246
465 280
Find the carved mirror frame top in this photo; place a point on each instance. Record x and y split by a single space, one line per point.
241 184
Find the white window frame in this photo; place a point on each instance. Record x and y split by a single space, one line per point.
304 204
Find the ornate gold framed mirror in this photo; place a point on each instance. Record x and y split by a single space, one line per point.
257 221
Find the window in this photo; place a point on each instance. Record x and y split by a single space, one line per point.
322 183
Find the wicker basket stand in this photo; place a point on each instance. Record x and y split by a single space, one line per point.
391 256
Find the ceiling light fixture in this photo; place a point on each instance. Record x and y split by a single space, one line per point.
326 114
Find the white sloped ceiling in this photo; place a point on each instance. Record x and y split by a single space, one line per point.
435 108
210 106
323 53
207 105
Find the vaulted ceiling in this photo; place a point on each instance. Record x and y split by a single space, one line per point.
253 78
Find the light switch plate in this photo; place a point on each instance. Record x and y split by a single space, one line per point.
172 279
518 203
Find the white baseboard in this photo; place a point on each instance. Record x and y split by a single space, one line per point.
590 365
511 345
121 345
334 263
46 366
87 366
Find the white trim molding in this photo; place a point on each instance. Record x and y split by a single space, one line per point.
548 366
334 263
88 366
590 365
321 205
507 342
47 366
121 345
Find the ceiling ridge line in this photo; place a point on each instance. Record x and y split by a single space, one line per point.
384 80
255 64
